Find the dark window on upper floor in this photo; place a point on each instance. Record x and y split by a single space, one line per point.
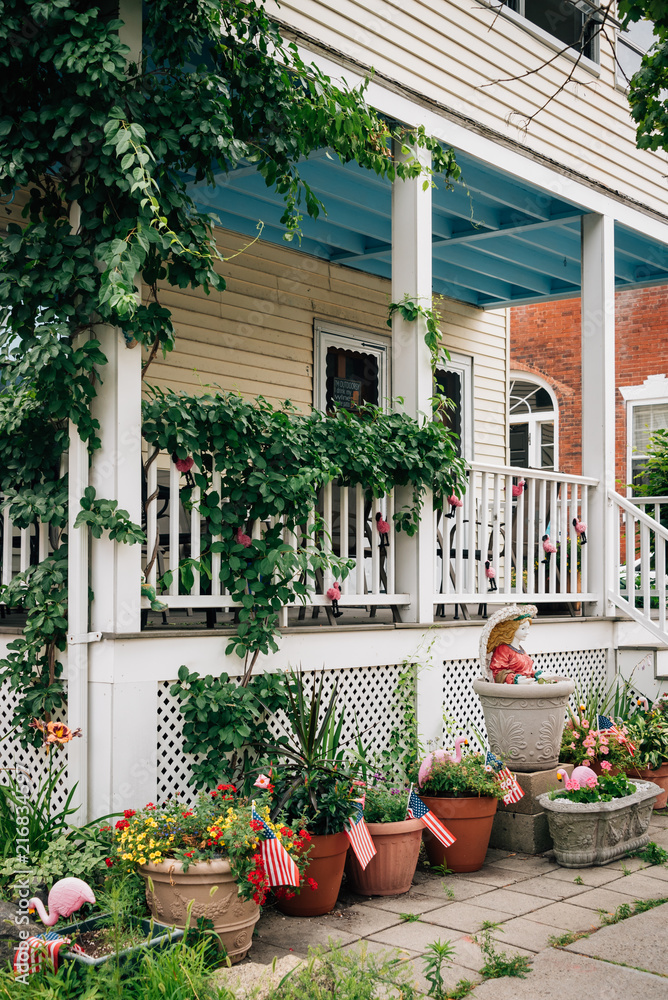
572 22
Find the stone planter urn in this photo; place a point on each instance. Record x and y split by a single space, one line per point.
170 890
594 833
525 722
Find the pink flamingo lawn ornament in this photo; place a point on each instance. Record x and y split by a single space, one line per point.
580 530
334 594
548 548
490 573
582 777
66 896
438 756
383 530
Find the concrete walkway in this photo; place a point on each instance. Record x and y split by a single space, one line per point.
531 898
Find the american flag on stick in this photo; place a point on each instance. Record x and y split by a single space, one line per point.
40 953
418 810
279 866
606 725
505 778
359 836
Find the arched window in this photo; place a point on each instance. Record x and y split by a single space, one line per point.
534 423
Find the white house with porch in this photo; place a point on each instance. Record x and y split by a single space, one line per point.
567 206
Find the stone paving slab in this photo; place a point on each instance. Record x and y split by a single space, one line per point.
528 864
414 936
451 975
495 875
411 902
567 917
657 871
466 916
626 864
549 888
642 885
463 887
639 942
514 901
526 933
297 934
556 975
590 876
605 897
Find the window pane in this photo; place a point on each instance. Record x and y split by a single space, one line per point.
547 446
646 420
352 378
563 20
519 445
628 61
450 384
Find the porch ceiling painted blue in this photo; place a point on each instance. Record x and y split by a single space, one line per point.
497 241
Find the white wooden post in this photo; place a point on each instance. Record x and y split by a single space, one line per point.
598 396
411 375
412 380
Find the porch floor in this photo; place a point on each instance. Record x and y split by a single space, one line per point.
529 897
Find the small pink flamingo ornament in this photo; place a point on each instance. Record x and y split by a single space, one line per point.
490 573
454 502
66 896
243 539
334 594
580 530
548 548
438 756
518 490
383 530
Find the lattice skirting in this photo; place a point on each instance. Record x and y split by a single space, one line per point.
368 694
588 668
33 762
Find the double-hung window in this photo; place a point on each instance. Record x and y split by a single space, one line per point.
572 22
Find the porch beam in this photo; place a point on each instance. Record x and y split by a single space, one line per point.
411 372
598 398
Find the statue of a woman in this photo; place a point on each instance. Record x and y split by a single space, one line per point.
503 658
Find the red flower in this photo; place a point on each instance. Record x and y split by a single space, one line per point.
255 824
189 854
213 794
311 883
186 814
105 829
122 824
108 862
129 813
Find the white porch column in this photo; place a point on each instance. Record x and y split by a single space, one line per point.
116 475
598 395
411 374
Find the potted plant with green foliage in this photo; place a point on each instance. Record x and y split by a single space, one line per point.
648 729
598 818
313 788
463 792
591 739
204 861
396 839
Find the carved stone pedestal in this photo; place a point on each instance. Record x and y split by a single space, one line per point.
522 826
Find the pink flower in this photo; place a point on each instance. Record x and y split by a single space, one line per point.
606 765
592 781
262 781
604 750
572 785
585 724
586 763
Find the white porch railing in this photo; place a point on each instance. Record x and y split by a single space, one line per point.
20 547
503 525
349 530
639 576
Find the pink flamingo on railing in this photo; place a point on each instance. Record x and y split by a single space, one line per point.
548 548
66 896
580 530
383 530
243 539
334 594
490 573
438 756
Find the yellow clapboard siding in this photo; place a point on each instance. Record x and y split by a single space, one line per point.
449 51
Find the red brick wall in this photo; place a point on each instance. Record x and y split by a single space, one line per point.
545 340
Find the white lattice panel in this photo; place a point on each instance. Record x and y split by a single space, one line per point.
588 667
33 761
367 693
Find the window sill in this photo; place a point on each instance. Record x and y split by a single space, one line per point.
543 36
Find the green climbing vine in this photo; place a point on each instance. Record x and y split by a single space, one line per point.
410 310
103 153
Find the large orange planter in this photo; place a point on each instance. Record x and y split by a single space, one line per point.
659 775
390 872
326 862
470 821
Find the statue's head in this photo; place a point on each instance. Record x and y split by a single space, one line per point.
510 631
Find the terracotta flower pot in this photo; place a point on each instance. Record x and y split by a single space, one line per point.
173 889
326 862
659 775
470 821
390 872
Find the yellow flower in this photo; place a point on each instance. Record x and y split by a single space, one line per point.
142 861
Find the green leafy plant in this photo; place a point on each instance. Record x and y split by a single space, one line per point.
648 729
578 880
104 515
410 310
497 963
385 804
468 777
568 937
626 910
312 783
226 724
604 789
437 953
409 918
652 853
353 974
